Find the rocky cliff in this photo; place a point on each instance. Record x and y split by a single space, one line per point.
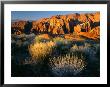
59 24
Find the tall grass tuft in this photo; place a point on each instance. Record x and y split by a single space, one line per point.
67 65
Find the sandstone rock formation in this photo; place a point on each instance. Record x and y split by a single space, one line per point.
59 24
18 27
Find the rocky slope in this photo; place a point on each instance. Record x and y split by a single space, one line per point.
81 24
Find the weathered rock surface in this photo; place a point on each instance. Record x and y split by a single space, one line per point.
60 24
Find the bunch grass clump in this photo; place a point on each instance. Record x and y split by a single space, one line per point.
69 64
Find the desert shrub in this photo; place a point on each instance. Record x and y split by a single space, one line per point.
83 48
60 40
19 43
39 51
97 47
67 65
23 37
39 39
87 44
19 47
62 45
92 51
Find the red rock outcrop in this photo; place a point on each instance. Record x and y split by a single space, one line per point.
60 24
18 27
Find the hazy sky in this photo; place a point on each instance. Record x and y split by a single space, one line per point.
34 15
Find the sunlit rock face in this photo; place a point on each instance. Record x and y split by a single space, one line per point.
18 27
59 24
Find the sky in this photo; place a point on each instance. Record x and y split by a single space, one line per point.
35 15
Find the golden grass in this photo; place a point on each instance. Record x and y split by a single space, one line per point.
38 51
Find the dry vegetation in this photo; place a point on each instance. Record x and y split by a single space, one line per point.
43 55
67 65
41 50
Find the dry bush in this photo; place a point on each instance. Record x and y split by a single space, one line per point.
90 50
39 51
19 47
42 38
58 39
67 65
62 41
82 48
